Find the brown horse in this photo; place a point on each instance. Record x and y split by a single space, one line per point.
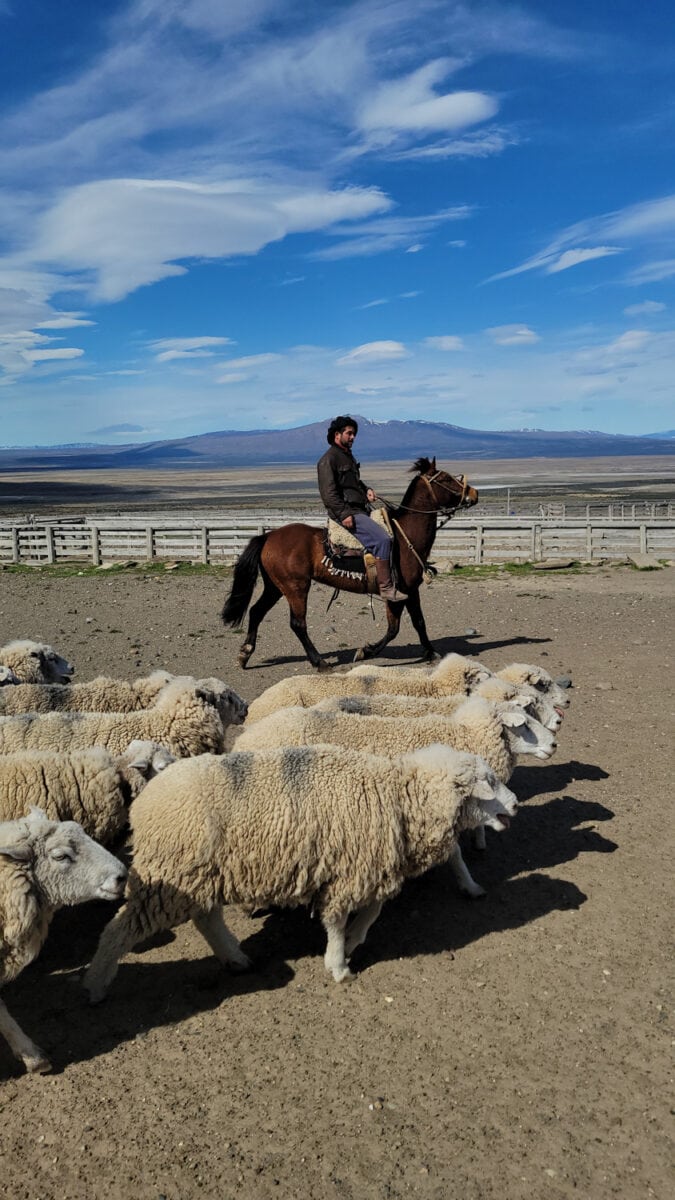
291 557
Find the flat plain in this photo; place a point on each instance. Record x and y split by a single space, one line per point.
512 1047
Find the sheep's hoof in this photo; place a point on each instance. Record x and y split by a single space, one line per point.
473 893
342 974
38 1065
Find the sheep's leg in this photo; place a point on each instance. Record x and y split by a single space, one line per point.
466 884
334 958
479 837
224 944
118 938
33 1058
360 924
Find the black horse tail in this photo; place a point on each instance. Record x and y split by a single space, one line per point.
245 575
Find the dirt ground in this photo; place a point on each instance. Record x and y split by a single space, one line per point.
518 1046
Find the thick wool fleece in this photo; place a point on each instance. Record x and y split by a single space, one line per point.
459 676
475 726
98 695
384 705
24 921
292 826
87 786
181 720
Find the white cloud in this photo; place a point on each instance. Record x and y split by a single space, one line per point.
64 321
653 272
630 341
233 377
572 258
251 360
374 352
446 342
55 353
410 104
388 233
513 335
169 349
647 306
119 234
482 144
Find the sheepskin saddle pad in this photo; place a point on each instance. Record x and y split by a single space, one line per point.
346 557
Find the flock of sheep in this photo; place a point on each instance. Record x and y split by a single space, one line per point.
339 788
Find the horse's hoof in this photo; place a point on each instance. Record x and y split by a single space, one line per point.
244 655
359 655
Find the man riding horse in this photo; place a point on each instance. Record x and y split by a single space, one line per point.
348 501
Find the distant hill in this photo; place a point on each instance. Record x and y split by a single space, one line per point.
377 440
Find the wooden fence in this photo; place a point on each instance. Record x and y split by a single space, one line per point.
219 542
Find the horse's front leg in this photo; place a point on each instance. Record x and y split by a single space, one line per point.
371 650
414 608
297 602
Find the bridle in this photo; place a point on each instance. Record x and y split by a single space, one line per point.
446 509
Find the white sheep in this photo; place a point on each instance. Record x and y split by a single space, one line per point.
44 865
538 678
88 786
307 825
36 662
189 718
7 676
524 696
460 675
496 732
98 695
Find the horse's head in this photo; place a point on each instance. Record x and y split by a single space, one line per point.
449 491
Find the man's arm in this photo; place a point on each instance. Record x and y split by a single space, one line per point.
331 495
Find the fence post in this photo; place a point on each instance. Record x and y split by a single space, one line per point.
15 544
49 538
149 543
478 556
536 543
205 544
95 546
589 542
643 539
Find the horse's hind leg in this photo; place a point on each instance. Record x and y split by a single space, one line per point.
257 613
297 602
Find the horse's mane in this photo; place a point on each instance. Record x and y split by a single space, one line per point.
421 466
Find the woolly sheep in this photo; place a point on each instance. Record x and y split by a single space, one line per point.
383 704
36 662
89 786
307 825
537 678
496 732
460 675
44 865
98 695
7 676
189 718
524 696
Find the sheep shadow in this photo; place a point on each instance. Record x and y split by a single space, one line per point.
540 778
144 996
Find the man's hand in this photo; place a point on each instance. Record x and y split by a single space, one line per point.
348 522
371 496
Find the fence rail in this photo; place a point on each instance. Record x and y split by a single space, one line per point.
462 541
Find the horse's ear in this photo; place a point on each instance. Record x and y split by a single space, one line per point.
433 463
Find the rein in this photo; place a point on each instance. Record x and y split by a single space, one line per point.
428 512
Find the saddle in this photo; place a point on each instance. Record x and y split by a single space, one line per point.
346 557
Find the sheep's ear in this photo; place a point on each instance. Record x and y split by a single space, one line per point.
142 763
20 853
208 696
483 790
524 701
37 814
513 717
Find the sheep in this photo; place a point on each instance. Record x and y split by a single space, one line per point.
525 696
189 717
89 786
538 678
497 732
36 662
44 865
307 825
7 676
460 675
98 695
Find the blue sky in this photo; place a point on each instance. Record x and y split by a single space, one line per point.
257 213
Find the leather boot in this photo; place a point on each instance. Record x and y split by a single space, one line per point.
385 583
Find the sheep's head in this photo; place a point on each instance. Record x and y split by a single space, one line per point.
7 676
526 735
149 758
231 708
538 678
65 864
36 662
484 799
454 667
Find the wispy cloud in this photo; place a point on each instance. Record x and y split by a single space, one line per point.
445 342
373 352
389 233
513 335
646 307
169 349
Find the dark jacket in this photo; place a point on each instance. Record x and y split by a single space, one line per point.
340 486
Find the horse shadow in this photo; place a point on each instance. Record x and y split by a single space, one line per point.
406 653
